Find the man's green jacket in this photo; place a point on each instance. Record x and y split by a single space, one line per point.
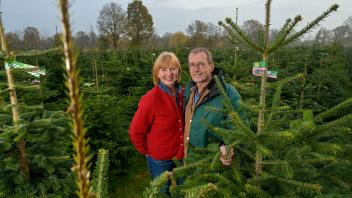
210 111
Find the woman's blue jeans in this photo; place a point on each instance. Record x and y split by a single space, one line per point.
157 167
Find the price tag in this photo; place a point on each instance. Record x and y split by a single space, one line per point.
260 67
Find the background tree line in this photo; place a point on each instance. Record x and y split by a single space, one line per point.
131 28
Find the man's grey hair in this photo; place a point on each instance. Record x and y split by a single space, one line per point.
206 51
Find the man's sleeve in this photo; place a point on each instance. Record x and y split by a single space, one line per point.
235 99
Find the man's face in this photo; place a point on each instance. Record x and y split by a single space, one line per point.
199 68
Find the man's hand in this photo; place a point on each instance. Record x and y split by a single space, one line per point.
226 158
169 174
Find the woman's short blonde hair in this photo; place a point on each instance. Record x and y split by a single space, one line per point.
166 59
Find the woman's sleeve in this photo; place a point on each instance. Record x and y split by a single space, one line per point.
140 125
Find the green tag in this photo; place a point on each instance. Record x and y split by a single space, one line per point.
271 74
33 70
7 65
261 64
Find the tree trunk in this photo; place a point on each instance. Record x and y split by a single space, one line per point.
261 118
261 114
15 114
301 102
16 118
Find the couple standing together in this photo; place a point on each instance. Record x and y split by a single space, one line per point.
169 120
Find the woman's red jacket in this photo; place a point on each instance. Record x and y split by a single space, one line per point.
157 126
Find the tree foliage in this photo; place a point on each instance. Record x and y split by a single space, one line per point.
197 31
31 38
112 23
13 40
178 39
140 23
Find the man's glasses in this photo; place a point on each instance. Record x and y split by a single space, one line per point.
199 64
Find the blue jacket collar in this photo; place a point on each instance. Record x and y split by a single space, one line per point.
166 89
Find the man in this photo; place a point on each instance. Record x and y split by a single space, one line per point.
200 93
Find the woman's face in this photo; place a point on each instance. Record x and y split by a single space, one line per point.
168 75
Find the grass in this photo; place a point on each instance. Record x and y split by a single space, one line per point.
133 184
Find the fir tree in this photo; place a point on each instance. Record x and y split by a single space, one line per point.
80 143
15 114
47 143
100 175
140 23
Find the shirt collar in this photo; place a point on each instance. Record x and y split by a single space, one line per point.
166 89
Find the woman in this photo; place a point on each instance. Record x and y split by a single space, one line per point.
156 129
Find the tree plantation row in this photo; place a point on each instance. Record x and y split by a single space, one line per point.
112 84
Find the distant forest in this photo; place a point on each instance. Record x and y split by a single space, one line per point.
122 34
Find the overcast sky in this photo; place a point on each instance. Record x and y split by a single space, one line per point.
168 15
